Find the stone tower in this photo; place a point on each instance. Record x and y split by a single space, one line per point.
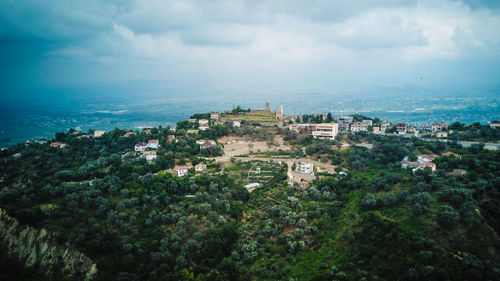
268 108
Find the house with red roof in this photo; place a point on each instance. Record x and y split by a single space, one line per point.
154 144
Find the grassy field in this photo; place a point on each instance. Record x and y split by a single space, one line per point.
255 117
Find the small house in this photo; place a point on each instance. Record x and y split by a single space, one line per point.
182 171
154 144
141 146
200 167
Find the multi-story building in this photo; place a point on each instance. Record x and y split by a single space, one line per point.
359 127
345 122
293 127
384 126
153 144
401 128
346 119
182 171
325 131
141 146
306 168
436 127
214 115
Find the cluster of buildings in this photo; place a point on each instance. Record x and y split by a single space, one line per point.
204 124
205 144
426 160
184 170
149 155
58 145
347 124
423 161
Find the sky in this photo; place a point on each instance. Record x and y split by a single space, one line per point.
248 46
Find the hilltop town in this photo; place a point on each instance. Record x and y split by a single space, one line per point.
255 195
320 126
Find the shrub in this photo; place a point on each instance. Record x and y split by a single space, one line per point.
447 217
369 202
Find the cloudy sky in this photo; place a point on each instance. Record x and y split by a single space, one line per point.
256 44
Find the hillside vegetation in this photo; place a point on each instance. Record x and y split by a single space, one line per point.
136 220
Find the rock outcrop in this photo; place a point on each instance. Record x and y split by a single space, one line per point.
39 249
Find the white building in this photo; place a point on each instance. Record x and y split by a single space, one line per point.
214 115
346 119
208 144
154 144
424 158
385 125
141 146
293 127
359 127
306 168
326 131
203 122
149 155
98 133
495 124
182 171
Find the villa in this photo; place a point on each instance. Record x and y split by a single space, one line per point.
141 146
154 144
306 168
182 171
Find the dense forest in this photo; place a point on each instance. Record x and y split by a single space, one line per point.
137 220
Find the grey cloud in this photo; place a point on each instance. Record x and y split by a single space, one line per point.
253 40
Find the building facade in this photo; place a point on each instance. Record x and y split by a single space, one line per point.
326 131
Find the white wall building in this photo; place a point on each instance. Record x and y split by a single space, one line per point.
154 144
140 146
306 168
182 171
326 131
98 133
